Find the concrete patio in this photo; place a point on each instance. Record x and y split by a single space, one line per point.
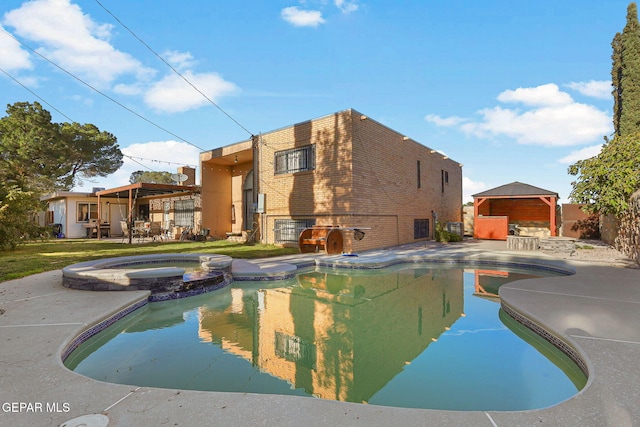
595 311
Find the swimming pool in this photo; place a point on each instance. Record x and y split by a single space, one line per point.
409 336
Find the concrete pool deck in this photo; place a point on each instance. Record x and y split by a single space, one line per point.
596 311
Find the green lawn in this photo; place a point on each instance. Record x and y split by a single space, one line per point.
39 257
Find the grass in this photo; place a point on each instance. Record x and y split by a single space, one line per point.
584 247
38 257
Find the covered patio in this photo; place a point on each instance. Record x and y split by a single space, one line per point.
513 209
170 207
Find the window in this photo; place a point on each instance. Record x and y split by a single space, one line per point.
87 211
444 178
420 228
183 212
295 160
295 349
288 230
418 170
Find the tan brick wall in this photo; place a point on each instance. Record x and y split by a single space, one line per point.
365 176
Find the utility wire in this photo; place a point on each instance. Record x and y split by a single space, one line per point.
36 95
157 161
135 161
132 158
101 93
174 70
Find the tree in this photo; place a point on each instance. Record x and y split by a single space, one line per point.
605 182
87 153
28 157
16 206
151 177
625 75
40 156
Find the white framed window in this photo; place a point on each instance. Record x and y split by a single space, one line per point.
86 212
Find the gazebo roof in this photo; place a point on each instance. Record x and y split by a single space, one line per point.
145 189
516 189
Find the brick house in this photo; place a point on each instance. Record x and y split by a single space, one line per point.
341 169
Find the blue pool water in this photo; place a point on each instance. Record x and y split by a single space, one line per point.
410 336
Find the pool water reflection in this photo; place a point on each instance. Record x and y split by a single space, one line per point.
412 336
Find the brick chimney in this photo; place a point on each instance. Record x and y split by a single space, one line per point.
191 174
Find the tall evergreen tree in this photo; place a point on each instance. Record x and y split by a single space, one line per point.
616 75
628 75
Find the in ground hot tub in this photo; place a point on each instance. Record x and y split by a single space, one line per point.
165 275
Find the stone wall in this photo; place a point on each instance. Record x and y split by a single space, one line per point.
609 227
628 239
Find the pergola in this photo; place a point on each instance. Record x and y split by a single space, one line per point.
140 189
515 203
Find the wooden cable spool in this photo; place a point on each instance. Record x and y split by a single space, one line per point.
328 239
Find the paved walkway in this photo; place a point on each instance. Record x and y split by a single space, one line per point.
596 311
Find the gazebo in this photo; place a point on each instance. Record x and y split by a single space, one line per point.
515 208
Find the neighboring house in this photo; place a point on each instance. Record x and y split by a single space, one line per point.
71 211
342 169
172 207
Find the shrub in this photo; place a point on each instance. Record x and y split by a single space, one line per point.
442 235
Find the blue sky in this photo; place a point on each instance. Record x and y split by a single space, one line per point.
515 91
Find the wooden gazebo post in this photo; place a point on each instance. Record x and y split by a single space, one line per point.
130 217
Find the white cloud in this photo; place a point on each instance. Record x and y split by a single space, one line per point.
167 155
548 117
544 95
595 88
470 187
74 41
172 94
302 18
444 121
12 56
582 154
179 60
346 6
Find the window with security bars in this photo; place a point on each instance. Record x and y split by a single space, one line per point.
295 349
420 228
183 212
288 230
295 160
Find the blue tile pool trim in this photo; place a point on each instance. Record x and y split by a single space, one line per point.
425 260
258 278
553 339
99 327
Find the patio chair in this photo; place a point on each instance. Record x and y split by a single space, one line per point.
155 231
137 233
125 230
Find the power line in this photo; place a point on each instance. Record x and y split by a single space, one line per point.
174 70
132 158
101 93
36 95
156 161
